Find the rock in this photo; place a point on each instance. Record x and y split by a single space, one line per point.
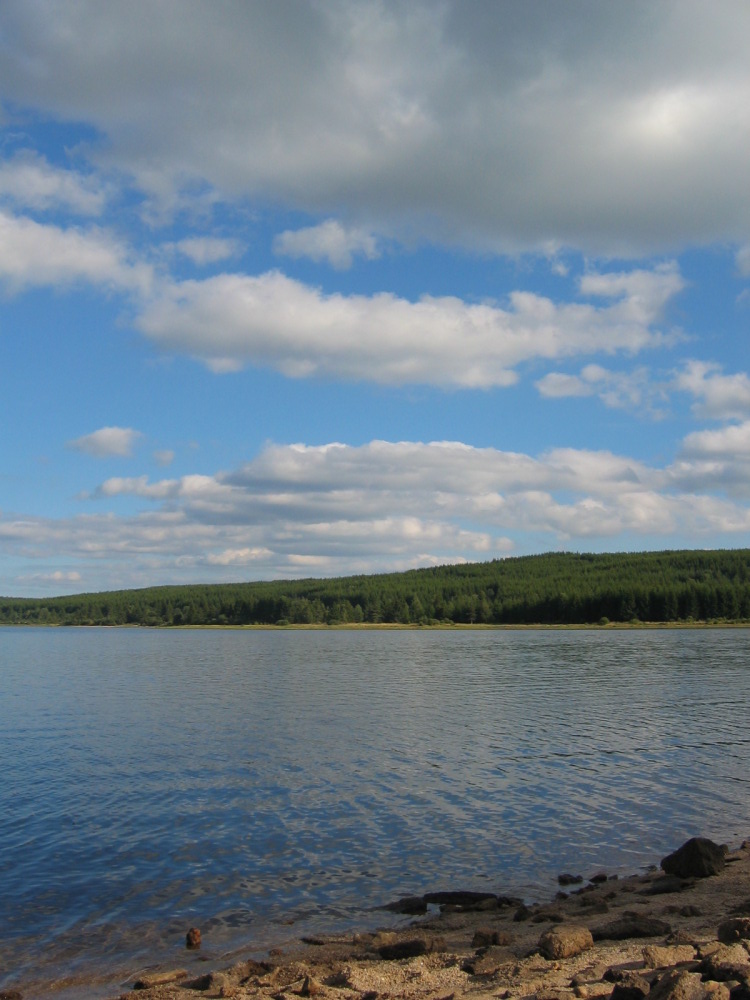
567 879
591 974
599 877
468 900
409 948
725 964
665 884
697 858
10 995
383 938
717 991
522 913
487 961
310 987
631 927
485 937
676 985
410 905
592 905
631 987
565 940
734 929
159 979
656 957
193 939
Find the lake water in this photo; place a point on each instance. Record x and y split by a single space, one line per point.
262 785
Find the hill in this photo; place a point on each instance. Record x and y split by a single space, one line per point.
550 589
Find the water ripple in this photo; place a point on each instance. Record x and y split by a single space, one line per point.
246 780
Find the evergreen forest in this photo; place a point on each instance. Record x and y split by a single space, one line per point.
552 589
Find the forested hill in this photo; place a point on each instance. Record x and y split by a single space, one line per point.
556 588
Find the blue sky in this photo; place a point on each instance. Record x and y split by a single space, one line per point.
308 289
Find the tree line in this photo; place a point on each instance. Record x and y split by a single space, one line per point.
551 589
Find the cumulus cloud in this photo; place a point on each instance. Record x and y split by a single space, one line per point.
612 128
107 442
33 254
335 509
231 320
31 182
717 396
328 241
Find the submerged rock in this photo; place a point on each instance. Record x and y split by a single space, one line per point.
193 939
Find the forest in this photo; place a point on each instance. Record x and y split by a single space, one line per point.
559 588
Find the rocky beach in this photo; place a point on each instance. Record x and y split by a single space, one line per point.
681 931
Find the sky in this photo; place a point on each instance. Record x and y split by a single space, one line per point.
305 289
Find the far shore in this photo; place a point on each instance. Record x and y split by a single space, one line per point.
410 627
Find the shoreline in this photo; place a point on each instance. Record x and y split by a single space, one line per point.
659 930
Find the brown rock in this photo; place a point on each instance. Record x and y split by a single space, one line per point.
631 987
656 957
726 964
485 937
565 940
487 961
697 858
676 985
717 991
159 979
193 939
409 948
310 987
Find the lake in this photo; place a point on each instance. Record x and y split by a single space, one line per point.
262 785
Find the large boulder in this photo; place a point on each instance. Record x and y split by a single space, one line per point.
697 858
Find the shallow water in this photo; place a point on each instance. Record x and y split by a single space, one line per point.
263 785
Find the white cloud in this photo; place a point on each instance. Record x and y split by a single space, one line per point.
107 442
718 396
58 576
558 385
232 319
34 255
328 241
164 457
31 182
338 509
728 442
204 250
743 260
628 390
612 128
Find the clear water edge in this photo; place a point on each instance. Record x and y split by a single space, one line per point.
242 780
